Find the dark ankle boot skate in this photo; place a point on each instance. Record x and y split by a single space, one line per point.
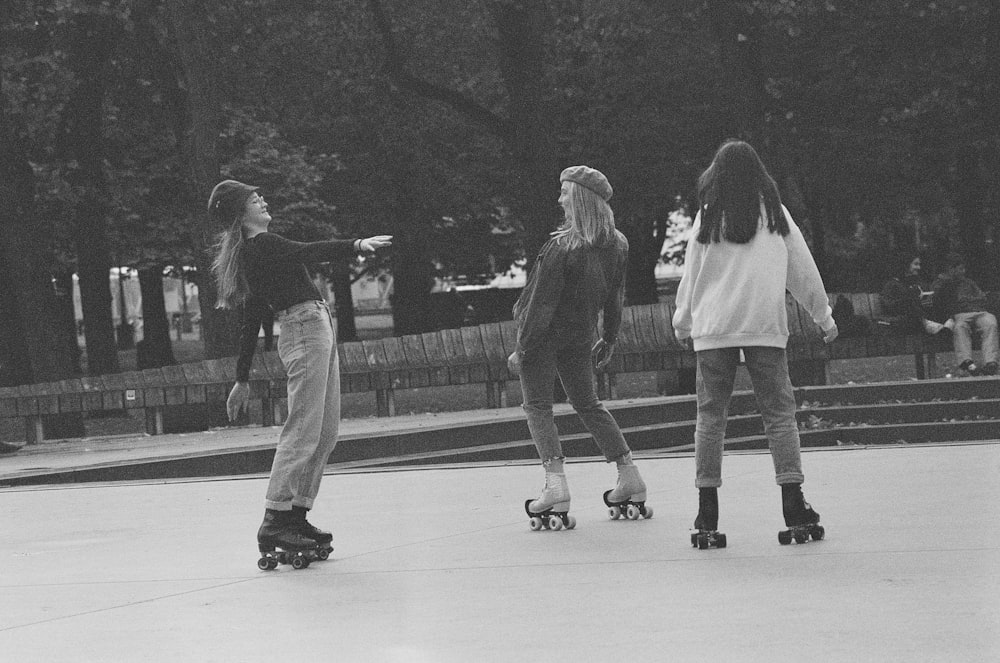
800 519
324 539
707 521
280 541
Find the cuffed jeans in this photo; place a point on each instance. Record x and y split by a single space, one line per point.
573 366
308 349
986 322
768 369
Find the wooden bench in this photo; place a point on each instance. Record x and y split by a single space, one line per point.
468 355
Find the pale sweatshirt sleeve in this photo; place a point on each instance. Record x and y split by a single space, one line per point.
804 281
692 262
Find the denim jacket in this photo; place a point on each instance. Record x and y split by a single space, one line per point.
567 289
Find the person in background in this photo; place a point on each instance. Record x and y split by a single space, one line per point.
745 254
269 270
905 297
958 297
579 272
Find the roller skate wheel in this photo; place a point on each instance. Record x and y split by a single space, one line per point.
694 540
720 541
535 523
632 512
300 562
323 554
702 542
571 522
555 523
818 533
264 564
784 538
801 537
614 513
649 512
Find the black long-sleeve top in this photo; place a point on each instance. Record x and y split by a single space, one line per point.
278 278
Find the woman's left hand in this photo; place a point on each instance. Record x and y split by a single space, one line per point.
601 354
370 244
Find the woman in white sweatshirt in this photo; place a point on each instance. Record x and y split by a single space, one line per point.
745 253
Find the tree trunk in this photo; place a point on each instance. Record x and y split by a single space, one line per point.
15 361
94 268
530 139
36 347
33 348
970 189
527 132
154 350
195 54
643 255
413 277
740 57
92 40
340 279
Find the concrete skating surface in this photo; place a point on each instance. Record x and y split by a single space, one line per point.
438 564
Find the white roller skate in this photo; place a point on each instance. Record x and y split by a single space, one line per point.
628 498
551 509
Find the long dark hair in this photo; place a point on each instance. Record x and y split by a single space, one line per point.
729 195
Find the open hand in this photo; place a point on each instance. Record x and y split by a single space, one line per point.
370 244
238 399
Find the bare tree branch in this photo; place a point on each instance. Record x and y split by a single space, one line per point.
396 69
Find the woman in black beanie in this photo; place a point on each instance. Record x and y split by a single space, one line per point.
252 263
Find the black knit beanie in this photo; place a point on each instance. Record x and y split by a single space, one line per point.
228 200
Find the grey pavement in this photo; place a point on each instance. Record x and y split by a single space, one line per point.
438 564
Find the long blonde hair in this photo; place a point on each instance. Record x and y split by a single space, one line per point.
589 219
228 266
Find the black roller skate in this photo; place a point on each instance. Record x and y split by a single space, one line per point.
628 498
551 509
707 521
280 541
310 531
801 520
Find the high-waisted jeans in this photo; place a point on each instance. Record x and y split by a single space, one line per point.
308 349
768 369
573 366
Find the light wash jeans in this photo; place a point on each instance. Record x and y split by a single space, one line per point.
573 366
768 369
986 322
308 349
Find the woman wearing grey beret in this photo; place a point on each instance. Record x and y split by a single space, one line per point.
579 272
